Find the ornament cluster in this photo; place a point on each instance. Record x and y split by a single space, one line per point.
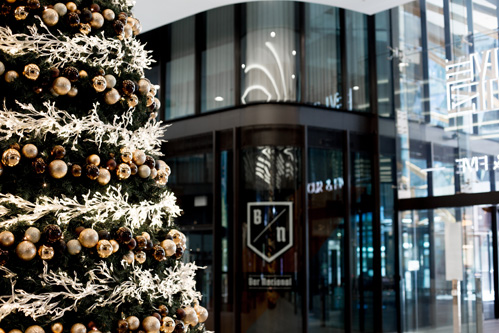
131 164
50 242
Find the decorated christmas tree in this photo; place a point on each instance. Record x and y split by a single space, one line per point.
87 235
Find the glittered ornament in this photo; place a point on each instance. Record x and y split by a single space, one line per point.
5 10
126 154
108 14
151 324
104 176
57 328
104 248
30 150
95 8
129 257
6 238
31 71
132 100
33 235
122 325
110 81
58 169
140 257
76 170
4 257
78 328
58 152
34 329
162 177
11 157
99 83
46 252
133 168
169 246
73 19
39 165
150 162
33 4
112 96
179 253
71 73
92 171
133 323
123 171
74 247
11 76
124 235
179 327
97 20
52 233
61 85
88 238
158 253
111 164
128 87
119 27
167 325
21 13
26 250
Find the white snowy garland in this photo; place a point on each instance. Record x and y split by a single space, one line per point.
142 284
97 51
124 4
69 128
96 207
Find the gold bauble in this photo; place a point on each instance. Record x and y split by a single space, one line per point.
126 154
1 168
157 104
104 248
11 157
34 329
61 8
169 246
178 237
115 244
15 331
78 328
128 31
82 74
26 250
167 325
146 235
31 71
50 17
97 20
154 173
151 324
162 177
161 164
74 247
61 86
108 14
99 83
21 13
133 322
144 86
129 257
30 150
46 252
88 238
104 176
85 28
93 159
11 76
191 317
112 96
33 235
132 100
6 238
123 171
71 6
73 92
57 328
2 68
140 256
139 157
202 313
110 81
58 169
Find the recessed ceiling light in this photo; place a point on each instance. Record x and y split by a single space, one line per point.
293 76
272 34
243 66
355 88
219 98
293 52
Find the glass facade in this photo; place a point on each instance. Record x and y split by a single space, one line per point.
338 171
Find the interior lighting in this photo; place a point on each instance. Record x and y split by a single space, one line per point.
355 88
243 66
219 99
293 76
272 34
293 52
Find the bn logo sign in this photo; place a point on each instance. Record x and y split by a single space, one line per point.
270 228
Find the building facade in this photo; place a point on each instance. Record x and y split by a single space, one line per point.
338 172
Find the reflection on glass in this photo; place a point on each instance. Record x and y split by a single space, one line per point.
484 25
180 70
217 81
269 70
418 166
384 65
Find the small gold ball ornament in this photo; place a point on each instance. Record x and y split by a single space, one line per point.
104 248
167 324
104 176
151 324
115 244
46 252
31 71
50 17
112 96
21 13
57 328
139 157
97 20
108 14
191 317
140 256
88 238
132 100
33 235
58 169
123 171
133 322
71 6
144 86
93 159
74 247
61 86
2 68
11 76
169 246
73 92
154 173
85 28
202 313
126 154
30 150
162 177
6 238
34 329
99 83
11 157
129 257
78 328
26 250
110 81
144 171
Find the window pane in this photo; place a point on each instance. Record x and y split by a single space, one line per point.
217 81
180 70
269 70
484 24
322 56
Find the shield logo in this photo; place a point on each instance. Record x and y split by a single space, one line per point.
270 228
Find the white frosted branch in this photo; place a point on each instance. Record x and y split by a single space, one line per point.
69 128
96 207
95 50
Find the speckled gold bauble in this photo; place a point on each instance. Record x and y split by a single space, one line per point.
58 152
140 256
61 86
104 248
104 176
33 235
132 100
46 252
78 328
133 323
6 238
92 171
108 14
58 169
74 247
126 154
11 76
129 257
73 92
26 250
11 157
151 324
21 13
115 244
61 8
162 177
112 96
39 165
99 83
2 68
167 325
50 17
144 86
97 20
57 328
202 313
34 329
85 28
93 159
30 150
110 81
191 317
31 72
169 246
154 173
88 238
139 157
76 170
71 6
123 171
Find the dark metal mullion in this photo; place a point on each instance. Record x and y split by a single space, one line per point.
199 47
166 55
305 241
495 256
433 270
236 234
448 36
398 250
237 53
347 192
492 174
217 231
429 162
302 70
343 57
457 176
424 55
471 49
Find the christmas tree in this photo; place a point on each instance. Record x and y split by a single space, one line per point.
87 235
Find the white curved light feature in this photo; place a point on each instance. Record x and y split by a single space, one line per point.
251 88
274 53
271 78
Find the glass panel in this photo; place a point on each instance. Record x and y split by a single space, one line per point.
443 170
459 28
484 25
322 56
271 244
384 65
418 166
180 70
217 81
327 231
270 53
357 62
